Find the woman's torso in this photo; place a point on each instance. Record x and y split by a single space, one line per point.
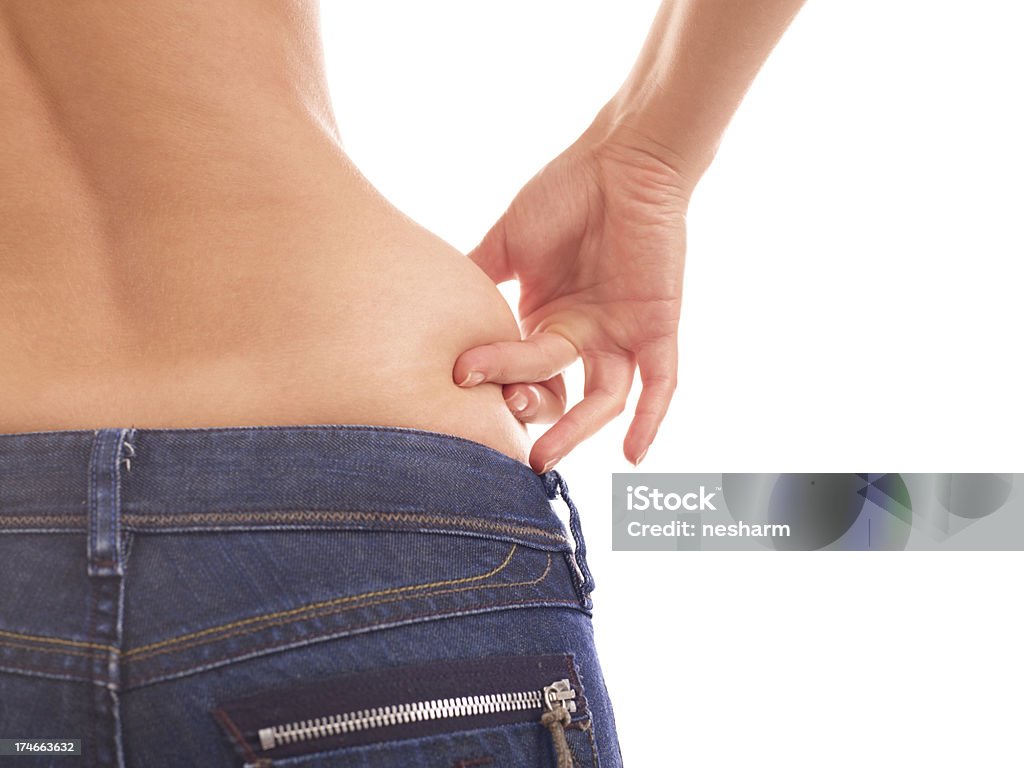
183 242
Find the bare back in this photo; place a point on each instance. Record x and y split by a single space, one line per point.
183 241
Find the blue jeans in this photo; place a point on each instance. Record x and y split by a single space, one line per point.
293 596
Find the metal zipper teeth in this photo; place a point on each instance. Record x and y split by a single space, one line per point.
400 714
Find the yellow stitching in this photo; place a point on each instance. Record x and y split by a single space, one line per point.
43 639
321 612
61 651
143 521
531 582
313 606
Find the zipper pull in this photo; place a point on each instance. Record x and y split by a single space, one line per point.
559 706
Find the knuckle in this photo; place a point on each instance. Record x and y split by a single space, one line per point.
663 382
646 415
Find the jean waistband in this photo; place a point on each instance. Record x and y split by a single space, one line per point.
277 477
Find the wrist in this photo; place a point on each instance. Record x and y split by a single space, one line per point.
624 127
621 142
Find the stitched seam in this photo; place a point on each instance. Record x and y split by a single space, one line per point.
141 522
115 510
57 640
593 744
323 613
316 606
314 637
91 499
347 630
304 609
588 724
95 668
17 520
225 719
51 673
103 647
62 651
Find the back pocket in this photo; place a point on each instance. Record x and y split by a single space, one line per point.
490 712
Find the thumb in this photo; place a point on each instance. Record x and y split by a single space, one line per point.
491 255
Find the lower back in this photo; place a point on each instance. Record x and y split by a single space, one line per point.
203 253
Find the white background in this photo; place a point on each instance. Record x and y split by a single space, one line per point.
852 303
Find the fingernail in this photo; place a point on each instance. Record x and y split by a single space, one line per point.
517 402
640 457
550 464
474 377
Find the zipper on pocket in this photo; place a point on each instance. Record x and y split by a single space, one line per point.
556 697
408 702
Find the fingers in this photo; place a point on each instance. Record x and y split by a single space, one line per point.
659 365
541 403
608 381
534 359
491 255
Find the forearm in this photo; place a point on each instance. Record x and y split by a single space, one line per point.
695 67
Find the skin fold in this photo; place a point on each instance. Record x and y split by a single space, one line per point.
185 243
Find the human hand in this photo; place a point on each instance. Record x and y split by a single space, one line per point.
597 240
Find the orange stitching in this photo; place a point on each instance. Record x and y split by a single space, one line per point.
323 604
59 641
151 647
321 614
433 614
141 522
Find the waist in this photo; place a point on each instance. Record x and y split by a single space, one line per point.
327 308
314 476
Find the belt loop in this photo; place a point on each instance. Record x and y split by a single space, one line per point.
555 484
104 502
110 450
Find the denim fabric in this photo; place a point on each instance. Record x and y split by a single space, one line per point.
163 587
